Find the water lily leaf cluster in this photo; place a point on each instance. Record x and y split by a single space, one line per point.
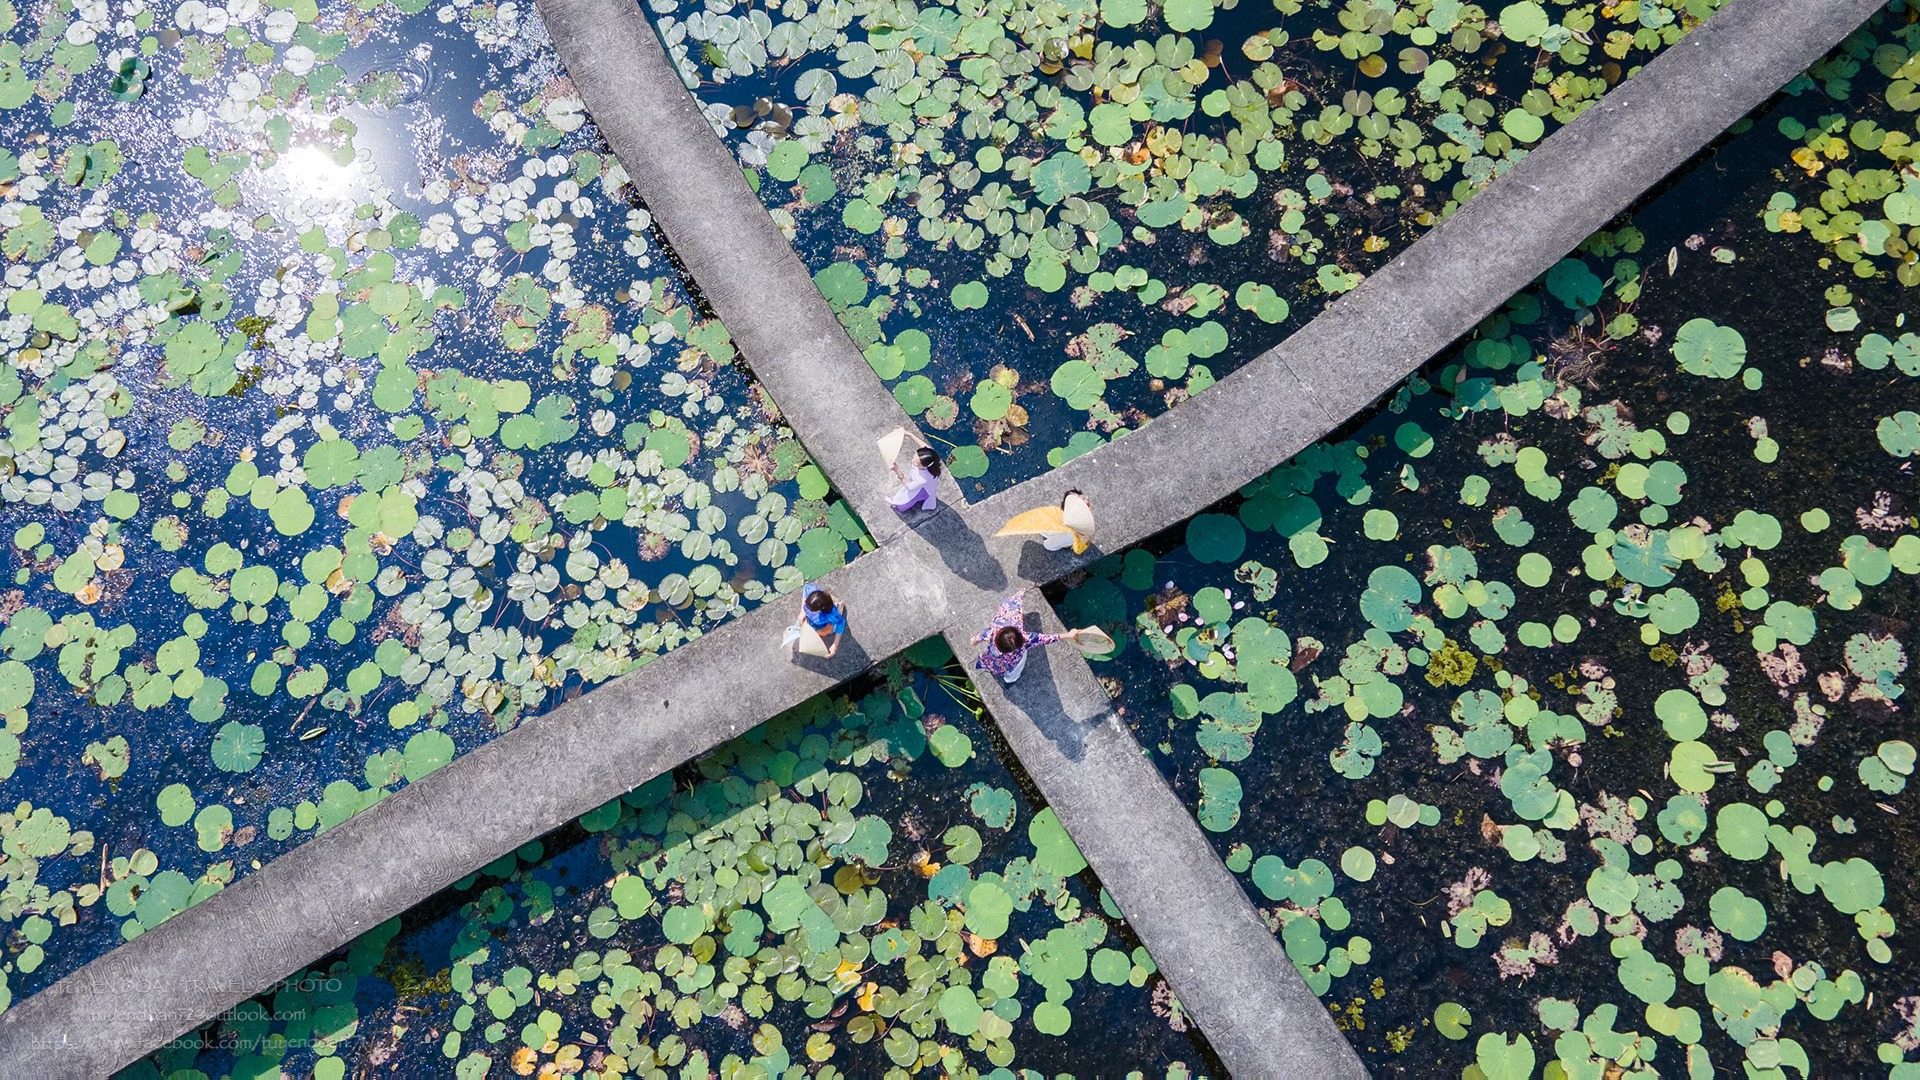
1181 183
1608 725
817 895
1865 205
352 413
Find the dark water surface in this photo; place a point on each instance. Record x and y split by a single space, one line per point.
1574 679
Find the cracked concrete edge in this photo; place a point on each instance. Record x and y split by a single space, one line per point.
1193 916
513 789
739 259
1439 289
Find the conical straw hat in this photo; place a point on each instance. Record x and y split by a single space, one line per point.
1040 519
890 445
1077 515
811 643
1091 640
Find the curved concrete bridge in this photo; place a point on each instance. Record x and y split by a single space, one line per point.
940 576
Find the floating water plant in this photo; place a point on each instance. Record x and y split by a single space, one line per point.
1652 696
1150 194
352 415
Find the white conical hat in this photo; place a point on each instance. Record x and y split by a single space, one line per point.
811 643
1091 640
1077 514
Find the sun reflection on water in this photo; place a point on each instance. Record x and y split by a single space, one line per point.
313 173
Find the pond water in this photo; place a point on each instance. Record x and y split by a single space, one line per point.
353 412
1555 715
861 886
1606 745
1047 222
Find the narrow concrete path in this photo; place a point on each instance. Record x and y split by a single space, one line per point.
1247 997
552 769
1228 969
1579 179
738 257
515 788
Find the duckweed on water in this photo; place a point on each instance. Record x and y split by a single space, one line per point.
1154 192
1643 814
824 896
351 416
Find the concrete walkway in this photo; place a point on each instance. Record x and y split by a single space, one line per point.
937 577
738 257
514 789
1579 179
1227 968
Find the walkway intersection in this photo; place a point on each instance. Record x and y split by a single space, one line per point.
934 574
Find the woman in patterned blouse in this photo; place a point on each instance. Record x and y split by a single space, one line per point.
1007 641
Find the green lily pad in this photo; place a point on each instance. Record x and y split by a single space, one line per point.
1683 820
1899 434
1358 863
1681 714
951 746
1219 799
1525 21
1704 347
1451 1019
1216 538
1186 16
1054 851
961 1010
969 295
991 400
1504 1057
1740 830
176 804
988 909
238 747
785 161
1077 383
1388 600
1737 914
16 685
682 924
1852 886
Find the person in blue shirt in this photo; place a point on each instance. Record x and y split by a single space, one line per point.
827 617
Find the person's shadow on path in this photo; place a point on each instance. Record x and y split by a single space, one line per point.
1039 564
962 550
849 660
1037 694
